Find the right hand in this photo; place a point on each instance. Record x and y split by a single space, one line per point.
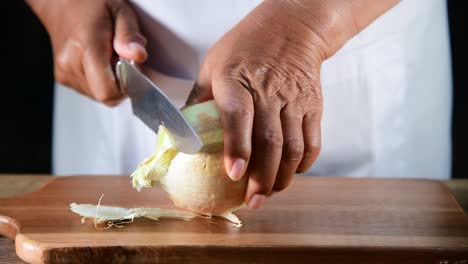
84 36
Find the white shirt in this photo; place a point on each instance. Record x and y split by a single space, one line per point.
387 93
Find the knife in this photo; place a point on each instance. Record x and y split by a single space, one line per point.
154 108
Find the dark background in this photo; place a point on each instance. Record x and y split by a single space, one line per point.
27 92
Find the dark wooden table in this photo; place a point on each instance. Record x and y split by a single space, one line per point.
12 185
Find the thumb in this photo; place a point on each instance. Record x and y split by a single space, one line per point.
201 90
128 42
199 94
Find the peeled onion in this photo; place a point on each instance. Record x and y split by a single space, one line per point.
198 182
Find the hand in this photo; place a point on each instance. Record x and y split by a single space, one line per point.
264 75
265 79
84 35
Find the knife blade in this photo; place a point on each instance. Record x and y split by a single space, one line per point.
154 108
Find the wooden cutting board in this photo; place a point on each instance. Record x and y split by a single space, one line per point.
316 220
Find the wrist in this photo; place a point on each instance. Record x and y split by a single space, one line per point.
329 22
321 25
337 21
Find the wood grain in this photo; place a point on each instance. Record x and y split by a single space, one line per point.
13 185
323 219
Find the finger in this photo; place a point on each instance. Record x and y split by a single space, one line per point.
293 147
68 68
98 70
68 78
73 82
128 41
237 111
267 140
312 139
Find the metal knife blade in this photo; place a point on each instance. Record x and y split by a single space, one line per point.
154 108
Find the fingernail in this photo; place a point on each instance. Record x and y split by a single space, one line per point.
237 170
136 47
256 201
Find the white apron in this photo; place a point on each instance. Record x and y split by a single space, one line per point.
387 93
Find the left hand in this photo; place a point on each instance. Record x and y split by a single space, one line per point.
265 79
264 75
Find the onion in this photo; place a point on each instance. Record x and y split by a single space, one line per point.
197 183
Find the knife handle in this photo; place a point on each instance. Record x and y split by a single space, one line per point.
120 74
